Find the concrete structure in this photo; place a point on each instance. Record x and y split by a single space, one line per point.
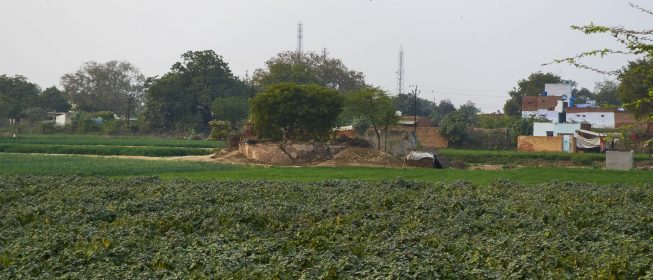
548 107
622 119
619 160
562 90
598 117
62 119
540 129
401 139
540 143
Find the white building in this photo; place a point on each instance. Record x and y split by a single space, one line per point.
541 129
598 117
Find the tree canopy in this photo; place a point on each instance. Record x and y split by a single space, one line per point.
308 68
605 93
233 109
636 87
182 98
114 86
444 108
375 106
16 95
54 99
406 104
289 111
453 125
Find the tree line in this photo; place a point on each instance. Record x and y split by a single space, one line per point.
307 93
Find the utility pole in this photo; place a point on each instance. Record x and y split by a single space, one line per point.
414 93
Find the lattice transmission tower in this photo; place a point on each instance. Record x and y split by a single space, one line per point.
400 72
300 37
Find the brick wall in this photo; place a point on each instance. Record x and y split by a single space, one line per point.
539 143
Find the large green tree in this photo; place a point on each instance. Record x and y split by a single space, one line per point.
289 111
54 99
374 105
308 68
114 86
16 95
182 98
636 87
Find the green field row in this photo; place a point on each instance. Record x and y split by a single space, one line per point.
103 150
143 227
509 157
88 140
26 164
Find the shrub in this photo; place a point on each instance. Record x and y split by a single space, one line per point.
219 129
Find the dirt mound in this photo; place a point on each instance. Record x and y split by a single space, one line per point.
230 156
357 156
345 156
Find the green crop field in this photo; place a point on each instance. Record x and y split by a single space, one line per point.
100 145
511 157
145 227
26 164
87 140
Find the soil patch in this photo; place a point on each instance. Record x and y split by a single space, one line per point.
357 156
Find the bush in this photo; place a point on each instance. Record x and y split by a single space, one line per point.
47 127
219 129
297 112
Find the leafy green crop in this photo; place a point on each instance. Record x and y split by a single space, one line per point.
143 227
513 157
103 150
87 140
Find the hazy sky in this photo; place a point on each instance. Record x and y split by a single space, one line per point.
460 50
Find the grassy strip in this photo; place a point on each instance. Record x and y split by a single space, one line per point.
87 140
522 175
507 157
25 164
89 228
103 150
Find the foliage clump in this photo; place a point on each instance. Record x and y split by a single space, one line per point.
219 130
289 111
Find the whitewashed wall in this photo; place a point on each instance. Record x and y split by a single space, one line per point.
597 119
